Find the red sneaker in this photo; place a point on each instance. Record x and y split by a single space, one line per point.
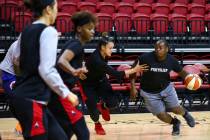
104 111
99 129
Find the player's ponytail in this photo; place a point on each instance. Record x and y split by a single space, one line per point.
105 39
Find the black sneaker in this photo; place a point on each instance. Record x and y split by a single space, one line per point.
189 119
176 127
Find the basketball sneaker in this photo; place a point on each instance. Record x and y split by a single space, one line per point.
176 127
104 111
99 129
189 119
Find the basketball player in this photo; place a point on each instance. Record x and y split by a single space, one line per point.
71 69
36 55
156 88
96 86
8 75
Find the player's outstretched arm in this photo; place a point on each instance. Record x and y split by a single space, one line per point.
183 74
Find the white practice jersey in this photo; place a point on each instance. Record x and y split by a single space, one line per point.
7 63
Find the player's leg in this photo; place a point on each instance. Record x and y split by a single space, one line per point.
80 129
171 100
156 106
55 131
91 102
8 81
109 99
66 114
34 119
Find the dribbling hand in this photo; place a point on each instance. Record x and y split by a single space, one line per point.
73 99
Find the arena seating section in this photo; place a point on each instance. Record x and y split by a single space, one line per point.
135 25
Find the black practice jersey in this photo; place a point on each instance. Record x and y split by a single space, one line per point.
76 47
98 68
157 77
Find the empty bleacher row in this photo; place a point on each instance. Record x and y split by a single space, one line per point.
124 15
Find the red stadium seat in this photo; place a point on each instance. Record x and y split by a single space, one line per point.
146 1
131 57
161 8
181 1
195 8
129 1
123 7
191 69
173 75
21 20
63 22
89 6
178 23
159 23
141 23
8 9
207 19
123 67
143 8
202 2
106 7
105 22
122 22
179 8
112 1
20 3
68 7
207 8
94 1
164 1
75 1
191 57
197 24
116 57
205 57
200 66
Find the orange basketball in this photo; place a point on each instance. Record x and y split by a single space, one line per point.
192 82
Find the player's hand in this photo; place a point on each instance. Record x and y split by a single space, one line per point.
79 71
141 68
133 93
82 76
73 99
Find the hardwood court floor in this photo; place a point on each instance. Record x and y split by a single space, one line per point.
142 126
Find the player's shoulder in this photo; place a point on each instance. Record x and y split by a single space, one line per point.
72 43
50 30
96 56
171 57
74 46
147 55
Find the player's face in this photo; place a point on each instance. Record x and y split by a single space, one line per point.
87 32
161 51
108 49
53 12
